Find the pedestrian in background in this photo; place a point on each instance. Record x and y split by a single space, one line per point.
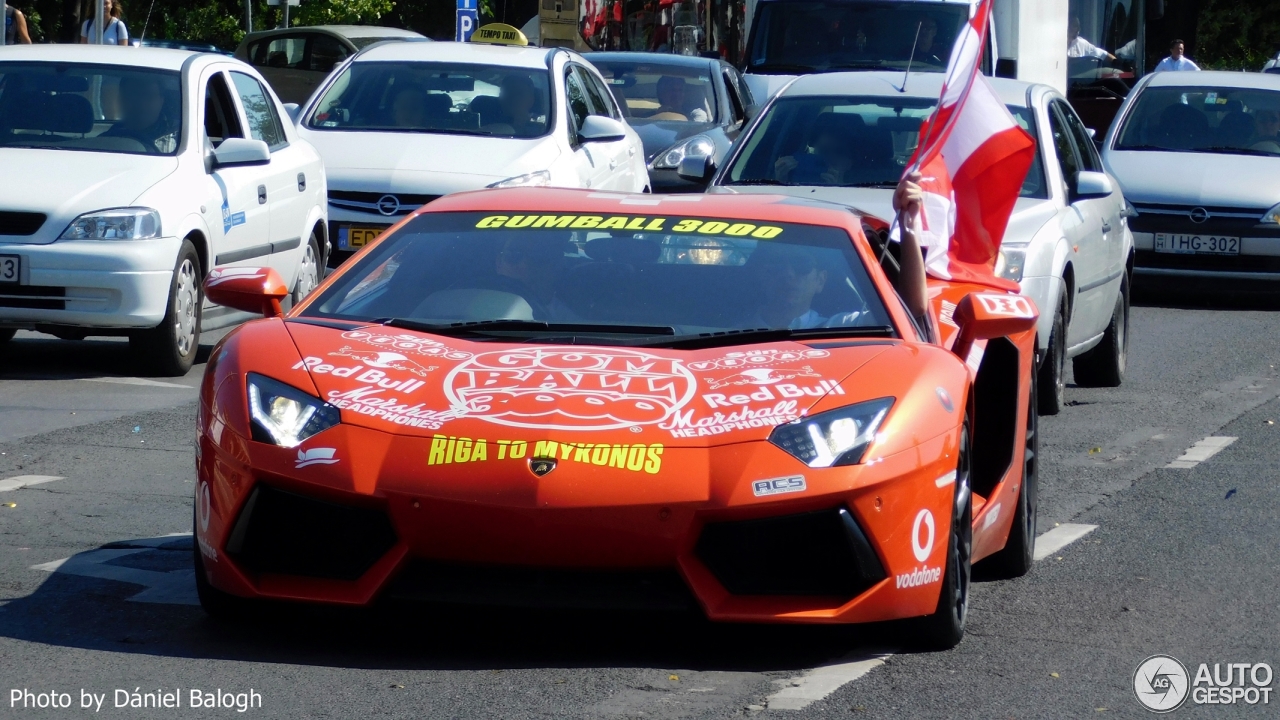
1176 60
113 30
15 26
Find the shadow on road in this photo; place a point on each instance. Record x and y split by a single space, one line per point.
1195 295
32 356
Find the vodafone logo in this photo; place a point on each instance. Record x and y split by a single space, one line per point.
922 548
1007 305
570 389
204 506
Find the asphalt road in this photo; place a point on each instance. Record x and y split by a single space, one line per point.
1182 562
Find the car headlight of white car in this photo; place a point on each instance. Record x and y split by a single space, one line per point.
131 223
696 146
1272 215
1011 262
541 178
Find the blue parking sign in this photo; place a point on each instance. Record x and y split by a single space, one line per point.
468 18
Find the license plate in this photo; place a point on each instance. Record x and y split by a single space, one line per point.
1197 244
354 237
10 269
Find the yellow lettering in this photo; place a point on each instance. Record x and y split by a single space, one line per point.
519 221
617 221
618 456
448 453
553 221
711 228
545 449
518 448
480 451
767 232
740 229
565 450
583 454
586 221
655 224
686 226
492 221
635 457
502 448
600 455
463 452
636 223
436 456
654 463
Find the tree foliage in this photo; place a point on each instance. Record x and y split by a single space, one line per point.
1238 34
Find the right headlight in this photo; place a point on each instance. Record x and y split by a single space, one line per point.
833 438
1272 215
1011 262
284 415
696 146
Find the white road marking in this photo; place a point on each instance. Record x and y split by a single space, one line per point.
20 481
1202 451
170 588
823 680
137 381
1060 537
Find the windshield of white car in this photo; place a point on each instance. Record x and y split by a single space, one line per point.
98 108
1219 120
427 97
821 35
649 92
623 279
840 141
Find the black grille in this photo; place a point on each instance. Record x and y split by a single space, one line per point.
280 532
816 553
33 297
1154 218
426 581
1224 263
368 201
20 223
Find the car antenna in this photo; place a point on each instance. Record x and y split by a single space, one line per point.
911 57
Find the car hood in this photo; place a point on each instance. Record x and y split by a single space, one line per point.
658 135
64 184
1242 181
412 162
417 384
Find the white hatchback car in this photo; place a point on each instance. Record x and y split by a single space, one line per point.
401 124
846 137
129 174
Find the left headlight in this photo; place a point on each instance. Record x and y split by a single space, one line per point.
132 223
696 146
833 438
285 416
541 178
1011 262
1272 215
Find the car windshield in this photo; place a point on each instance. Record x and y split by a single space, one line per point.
1237 121
99 108
625 279
653 92
837 141
437 98
816 35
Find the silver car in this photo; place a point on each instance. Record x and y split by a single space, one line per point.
1197 154
846 138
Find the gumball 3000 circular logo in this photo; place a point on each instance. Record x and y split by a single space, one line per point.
570 389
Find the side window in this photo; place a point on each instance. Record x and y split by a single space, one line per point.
260 111
576 101
744 92
739 110
220 118
324 52
281 52
1089 159
598 95
1063 147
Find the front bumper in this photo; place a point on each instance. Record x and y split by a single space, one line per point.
379 522
90 284
1259 258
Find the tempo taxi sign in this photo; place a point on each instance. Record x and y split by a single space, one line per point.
499 34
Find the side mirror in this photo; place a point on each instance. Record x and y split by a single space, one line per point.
239 151
292 110
598 128
251 289
984 316
1093 185
698 168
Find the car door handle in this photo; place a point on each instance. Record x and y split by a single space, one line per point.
612 163
631 151
1106 228
302 182
262 194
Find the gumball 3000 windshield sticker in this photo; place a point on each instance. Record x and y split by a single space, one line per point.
404 342
570 389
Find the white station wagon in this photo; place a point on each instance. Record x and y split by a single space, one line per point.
127 175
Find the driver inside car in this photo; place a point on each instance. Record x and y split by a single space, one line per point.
143 102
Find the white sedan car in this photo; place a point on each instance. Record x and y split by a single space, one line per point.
846 137
401 124
129 174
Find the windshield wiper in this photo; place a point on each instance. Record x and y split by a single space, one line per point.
876 184
1233 150
761 335
1148 147
854 66
759 181
782 68
502 325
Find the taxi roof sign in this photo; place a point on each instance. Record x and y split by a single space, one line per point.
499 34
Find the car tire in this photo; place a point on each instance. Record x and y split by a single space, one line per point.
1104 365
170 348
1051 387
944 629
309 271
6 335
217 604
1018 554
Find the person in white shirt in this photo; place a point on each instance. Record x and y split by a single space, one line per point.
1078 47
1176 60
113 30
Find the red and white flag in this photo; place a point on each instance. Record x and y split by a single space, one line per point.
973 157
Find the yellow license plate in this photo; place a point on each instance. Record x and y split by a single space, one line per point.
356 236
